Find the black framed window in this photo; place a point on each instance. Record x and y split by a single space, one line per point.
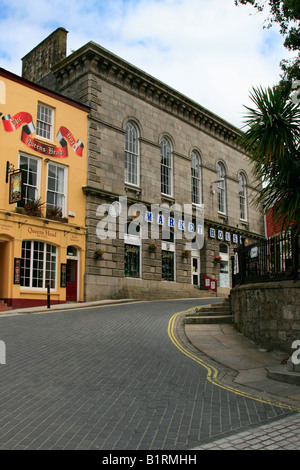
132 261
168 263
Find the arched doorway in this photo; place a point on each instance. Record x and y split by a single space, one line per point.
5 262
72 274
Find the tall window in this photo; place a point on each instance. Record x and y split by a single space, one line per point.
242 196
131 154
56 187
196 178
38 265
221 188
168 256
44 124
132 250
166 168
30 177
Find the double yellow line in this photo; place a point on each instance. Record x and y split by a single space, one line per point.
212 372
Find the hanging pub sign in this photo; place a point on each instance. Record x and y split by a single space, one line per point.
15 187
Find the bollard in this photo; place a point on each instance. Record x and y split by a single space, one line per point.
48 295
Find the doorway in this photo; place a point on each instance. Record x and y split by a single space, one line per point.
224 265
195 258
72 274
5 261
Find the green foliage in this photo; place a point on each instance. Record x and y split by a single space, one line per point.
272 142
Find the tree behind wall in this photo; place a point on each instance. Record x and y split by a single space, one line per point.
272 141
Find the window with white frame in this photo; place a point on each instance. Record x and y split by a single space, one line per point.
168 255
196 178
132 250
131 154
166 167
30 167
242 196
221 188
56 187
44 124
38 265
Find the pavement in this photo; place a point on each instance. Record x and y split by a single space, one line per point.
252 365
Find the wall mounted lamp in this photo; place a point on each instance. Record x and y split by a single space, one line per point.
213 182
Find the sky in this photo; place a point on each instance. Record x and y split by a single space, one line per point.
211 51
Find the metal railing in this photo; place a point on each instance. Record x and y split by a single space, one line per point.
273 259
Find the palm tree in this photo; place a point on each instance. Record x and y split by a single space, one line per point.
272 142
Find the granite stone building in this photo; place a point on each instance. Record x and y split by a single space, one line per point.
152 153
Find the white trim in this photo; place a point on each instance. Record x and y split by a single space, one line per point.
65 190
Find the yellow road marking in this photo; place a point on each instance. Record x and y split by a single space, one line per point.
212 372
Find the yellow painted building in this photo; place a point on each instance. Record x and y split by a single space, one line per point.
43 167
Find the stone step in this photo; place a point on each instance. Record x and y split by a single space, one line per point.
213 310
210 319
282 374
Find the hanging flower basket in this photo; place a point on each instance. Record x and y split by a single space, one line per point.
98 254
217 259
152 247
186 253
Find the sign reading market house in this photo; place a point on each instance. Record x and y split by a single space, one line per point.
64 136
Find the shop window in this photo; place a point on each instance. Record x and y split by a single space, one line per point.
56 188
38 265
44 124
166 168
132 250
196 178
132 261
131 154
30 167
168 263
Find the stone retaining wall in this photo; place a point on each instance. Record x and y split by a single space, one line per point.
268 313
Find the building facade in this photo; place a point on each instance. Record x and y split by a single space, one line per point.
43 163
168 191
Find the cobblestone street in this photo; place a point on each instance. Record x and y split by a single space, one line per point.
110 378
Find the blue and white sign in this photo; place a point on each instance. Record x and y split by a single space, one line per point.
220 235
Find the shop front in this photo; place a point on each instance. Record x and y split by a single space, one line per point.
38 257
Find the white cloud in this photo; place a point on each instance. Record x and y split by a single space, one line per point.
209 50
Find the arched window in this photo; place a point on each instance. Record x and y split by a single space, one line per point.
196 178
132 162
221 188
242 196
166 167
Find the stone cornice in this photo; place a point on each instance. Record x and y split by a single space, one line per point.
96 60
